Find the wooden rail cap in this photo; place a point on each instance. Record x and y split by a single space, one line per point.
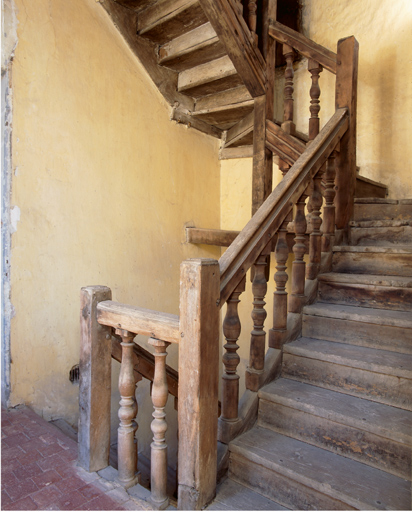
163 326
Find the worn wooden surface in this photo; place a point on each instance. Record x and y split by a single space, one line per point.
139 320
236 96
366 187
285 146
240 130
219 237
95 381
198 382
182 116
236 152
226 116
385 209
303 45
382 235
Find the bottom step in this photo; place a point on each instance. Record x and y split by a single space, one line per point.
304 477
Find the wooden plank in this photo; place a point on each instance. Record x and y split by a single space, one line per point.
162 326
303 45
262 157
191 49
236 152
209 78
287 147
166 19
95 382
135 5
198 383
239 130
346 97
225 117
239 43
219 237
369 188
223 99
192 122
264 224
144 365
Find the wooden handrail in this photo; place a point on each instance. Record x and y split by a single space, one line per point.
303 45
287 147
258 232
162 326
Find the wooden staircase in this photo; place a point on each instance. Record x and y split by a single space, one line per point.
335 430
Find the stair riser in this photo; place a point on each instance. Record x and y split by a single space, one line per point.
381 297
384 337
376 451
377 387
381 236
382 212
372 263
278 487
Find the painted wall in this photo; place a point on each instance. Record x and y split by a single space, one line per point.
104 183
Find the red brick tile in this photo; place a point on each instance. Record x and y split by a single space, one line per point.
47 496
16 440
70 501
28 471
69 455
21 489
23 504
102 502
30 457
8 453
11 430
52 462
9 465
8 479
90 491
5 498
48 438
47 478
51 449
70 484
66 470
5 422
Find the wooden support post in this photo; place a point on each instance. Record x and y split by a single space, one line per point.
288 125
329 208
158 470
198 382
346 97
95 381
297 295
315 239
126 438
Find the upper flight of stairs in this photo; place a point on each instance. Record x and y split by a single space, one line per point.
335 431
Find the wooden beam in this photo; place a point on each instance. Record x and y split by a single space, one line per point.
223 99
219 237
198 382
257 233
287 147
237 152
239 43
192 122
162 326
303 45
346 97
240 129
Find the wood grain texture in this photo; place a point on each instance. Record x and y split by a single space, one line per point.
262 158
219 237
285 146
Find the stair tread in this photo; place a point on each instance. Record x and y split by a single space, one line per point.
352 482
231 495
399 249
378 361
382 420
379 200
373 224
359 314
367 279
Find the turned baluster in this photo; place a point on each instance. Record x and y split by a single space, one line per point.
126 440
252 17
288 125
315 69
158 471
298 267
315 239
280 296
230 379
329 207
258 335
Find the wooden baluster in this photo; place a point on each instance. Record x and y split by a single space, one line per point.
315 69
258 335
126 440
329 208
298 267
280 296
230 380
252 17
158 472
288 124
315 239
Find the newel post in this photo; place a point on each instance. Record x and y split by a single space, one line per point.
198 382
95 381
346 97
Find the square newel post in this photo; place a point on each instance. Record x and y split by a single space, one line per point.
346 97
95 381
198 382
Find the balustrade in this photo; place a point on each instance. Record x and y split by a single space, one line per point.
315 238
329 207
288 124
315 69
299 249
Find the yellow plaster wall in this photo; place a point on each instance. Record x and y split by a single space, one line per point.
104 184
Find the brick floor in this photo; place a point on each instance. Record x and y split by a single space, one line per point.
39 471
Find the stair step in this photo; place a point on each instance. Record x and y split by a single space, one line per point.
135 5
369 432
224 117
231 495
367 327
368 291
165 20
209 78
378 375
382 209
382 235
306 477
366 187
373 260
191 49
